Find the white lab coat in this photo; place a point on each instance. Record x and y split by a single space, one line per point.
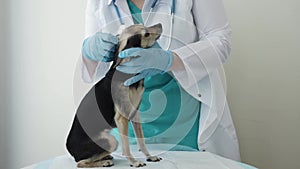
201 38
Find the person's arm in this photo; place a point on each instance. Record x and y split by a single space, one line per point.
194 61
177 63
213 48
92 26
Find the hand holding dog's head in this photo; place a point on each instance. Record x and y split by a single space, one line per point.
137 36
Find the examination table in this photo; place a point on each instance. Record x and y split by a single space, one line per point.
171 160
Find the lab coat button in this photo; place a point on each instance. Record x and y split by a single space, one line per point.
199 95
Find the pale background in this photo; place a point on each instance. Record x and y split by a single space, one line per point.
40 42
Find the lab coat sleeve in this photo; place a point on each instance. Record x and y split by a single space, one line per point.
213 47
92 26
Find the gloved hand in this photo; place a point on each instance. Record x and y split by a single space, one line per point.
100 47
151 58
146 72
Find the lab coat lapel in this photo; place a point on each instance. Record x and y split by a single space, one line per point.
125 12
147 6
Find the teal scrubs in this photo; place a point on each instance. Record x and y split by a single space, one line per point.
168 113
135 12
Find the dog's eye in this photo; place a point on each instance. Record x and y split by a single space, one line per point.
147 34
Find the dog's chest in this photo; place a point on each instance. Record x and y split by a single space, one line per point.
126 99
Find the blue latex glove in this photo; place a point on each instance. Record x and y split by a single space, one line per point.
151 58
100 47
147 71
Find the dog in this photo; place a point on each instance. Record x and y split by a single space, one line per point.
110 104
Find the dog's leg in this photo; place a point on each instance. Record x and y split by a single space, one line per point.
137 126
96 161
122 124
108 144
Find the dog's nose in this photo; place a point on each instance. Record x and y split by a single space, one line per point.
157 27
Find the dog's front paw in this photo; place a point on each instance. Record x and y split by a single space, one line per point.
137 164
101 163
106 163
154 159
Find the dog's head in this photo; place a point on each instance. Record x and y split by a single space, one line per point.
137 36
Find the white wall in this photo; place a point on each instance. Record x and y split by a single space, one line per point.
44 42
3 89
263 80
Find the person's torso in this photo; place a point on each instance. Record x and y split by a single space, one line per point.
108 19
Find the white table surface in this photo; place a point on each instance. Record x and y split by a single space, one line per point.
171 160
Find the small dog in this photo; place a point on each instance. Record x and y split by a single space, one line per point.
110 104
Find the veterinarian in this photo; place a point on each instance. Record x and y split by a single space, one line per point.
183 73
